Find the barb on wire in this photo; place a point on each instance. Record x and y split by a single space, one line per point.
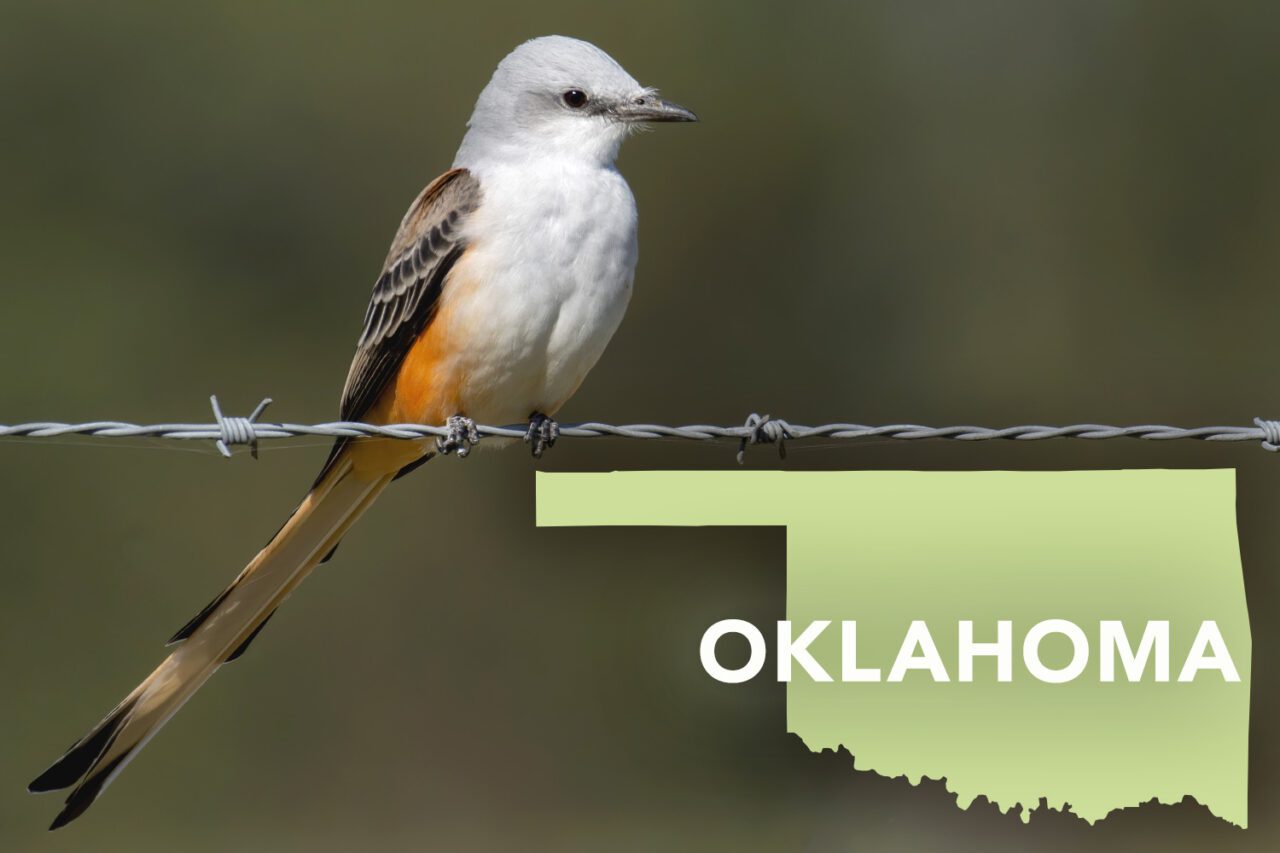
226 432
764 430
237 430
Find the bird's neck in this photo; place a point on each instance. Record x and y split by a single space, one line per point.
482 148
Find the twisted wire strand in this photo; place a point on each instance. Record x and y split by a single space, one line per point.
227 432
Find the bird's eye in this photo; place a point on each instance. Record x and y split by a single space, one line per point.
575 98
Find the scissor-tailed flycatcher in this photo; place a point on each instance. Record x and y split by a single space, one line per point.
506 280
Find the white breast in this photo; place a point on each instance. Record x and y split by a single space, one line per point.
553 254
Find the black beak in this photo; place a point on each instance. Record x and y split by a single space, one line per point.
648 108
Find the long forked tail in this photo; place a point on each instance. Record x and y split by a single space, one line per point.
219 633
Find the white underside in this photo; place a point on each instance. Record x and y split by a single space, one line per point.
543 287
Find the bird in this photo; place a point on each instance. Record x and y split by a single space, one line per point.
507 278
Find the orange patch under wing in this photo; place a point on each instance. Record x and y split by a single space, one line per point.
428 388
425 390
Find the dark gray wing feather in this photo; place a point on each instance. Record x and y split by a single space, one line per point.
405 296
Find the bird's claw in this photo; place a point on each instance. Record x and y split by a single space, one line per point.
542 433
462 436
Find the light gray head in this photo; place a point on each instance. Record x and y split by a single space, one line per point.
560 97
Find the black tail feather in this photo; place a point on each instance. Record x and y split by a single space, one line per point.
77 760
412 466
82 797
249 639
190 628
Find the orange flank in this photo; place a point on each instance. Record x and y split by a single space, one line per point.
428 387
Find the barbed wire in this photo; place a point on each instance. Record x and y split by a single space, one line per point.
227 432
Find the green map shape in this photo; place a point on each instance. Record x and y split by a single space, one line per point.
888 547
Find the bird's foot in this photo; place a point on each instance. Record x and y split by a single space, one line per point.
542 433
462 436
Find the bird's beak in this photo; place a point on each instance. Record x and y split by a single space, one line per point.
646 108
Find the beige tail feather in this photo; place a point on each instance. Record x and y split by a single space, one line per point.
331 507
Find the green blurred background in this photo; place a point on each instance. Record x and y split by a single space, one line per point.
944 213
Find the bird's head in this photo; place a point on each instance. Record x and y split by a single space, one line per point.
562 97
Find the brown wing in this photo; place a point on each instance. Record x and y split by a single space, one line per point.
405 296
427 245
